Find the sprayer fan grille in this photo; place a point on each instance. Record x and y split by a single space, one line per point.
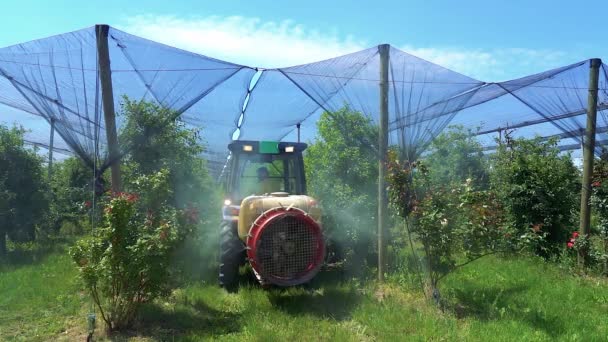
287 248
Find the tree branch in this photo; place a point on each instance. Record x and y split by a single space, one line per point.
96 299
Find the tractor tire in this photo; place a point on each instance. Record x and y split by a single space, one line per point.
232 255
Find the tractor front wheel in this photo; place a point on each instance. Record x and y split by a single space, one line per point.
232 255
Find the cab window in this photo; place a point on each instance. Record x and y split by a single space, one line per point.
260 174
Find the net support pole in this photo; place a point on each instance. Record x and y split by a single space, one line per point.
107 98
51 142
384 51
588 152
298 127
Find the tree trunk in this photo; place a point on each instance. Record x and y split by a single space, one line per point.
2 243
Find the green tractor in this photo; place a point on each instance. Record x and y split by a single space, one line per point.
268 221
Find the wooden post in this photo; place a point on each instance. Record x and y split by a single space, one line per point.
384 51
107 98
298 126
51 142
589 152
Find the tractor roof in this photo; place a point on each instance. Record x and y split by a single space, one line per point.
265 147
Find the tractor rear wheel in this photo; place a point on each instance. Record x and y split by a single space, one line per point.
232 255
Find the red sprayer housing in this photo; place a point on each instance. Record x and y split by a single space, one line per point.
285 246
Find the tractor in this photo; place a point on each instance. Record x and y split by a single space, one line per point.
268 220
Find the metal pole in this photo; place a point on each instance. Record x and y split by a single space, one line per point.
588 152
51 142
107 97
384 51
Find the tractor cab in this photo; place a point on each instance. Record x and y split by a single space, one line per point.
264 167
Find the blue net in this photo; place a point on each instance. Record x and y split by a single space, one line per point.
55 81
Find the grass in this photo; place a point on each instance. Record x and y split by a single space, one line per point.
492 299
40 298
529 298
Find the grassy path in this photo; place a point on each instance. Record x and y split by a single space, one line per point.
493 299
41 301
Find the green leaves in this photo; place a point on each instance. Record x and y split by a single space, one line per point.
596 246
539 189
155 141
72 191
126 261
342 171
23 189
455 221
401 192
456 155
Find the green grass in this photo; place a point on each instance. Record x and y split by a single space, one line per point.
39 300
492 299
529 298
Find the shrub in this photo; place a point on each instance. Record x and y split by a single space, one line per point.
596 247
72 194
539 188
596 254
342 171
126 262
156 140
454 156
454 224
23 189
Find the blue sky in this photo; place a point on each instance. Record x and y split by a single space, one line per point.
491 41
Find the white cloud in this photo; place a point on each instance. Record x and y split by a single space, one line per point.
248 41
254 42
491 65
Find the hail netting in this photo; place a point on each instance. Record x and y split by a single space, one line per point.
288 96
548 104
56 79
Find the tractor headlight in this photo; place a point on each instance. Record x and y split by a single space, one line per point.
289 149
247 148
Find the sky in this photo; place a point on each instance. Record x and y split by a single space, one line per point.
487 40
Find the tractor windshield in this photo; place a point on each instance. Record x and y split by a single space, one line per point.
261 174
